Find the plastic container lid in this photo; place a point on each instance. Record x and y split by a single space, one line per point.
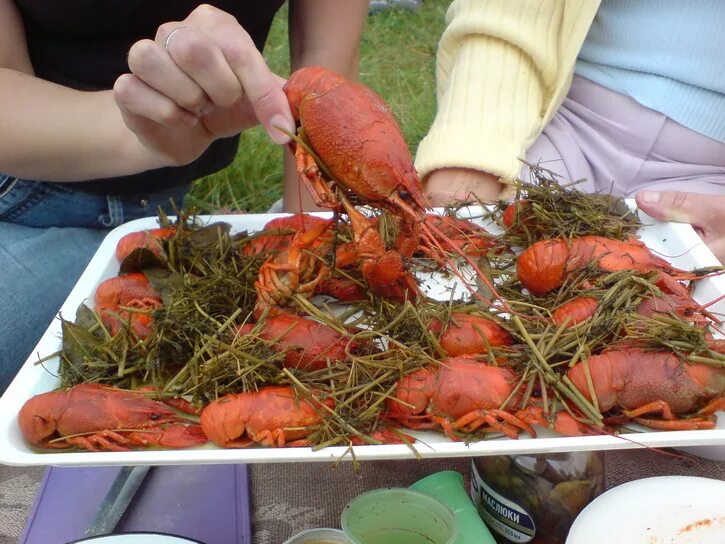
137 538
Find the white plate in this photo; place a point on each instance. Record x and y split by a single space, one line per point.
661 510
677 242
137 538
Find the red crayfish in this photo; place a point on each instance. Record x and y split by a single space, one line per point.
274 416
127 299
306 343
639 382
102 418
148 239
468 334
545 265
365 161
460 394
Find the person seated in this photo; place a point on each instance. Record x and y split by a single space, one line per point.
627 95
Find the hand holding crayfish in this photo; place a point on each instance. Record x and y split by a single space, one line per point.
200 79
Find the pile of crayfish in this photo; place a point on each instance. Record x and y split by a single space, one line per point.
318 331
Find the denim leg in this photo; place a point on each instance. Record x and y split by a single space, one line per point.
38 268
48 234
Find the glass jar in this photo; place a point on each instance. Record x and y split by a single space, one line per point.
535 498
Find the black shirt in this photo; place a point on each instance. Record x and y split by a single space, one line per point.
83 44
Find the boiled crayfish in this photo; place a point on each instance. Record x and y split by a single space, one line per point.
100 418
297 269
639 382
274 416
306 344
469 334
545 265
461 394
278 233
364 160
148 239
127 300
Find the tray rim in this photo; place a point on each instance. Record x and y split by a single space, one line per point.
430 445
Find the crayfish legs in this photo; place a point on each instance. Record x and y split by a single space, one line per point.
383 269
127 299
562 421
545 265
101 418
461 394
296 270
640 382
274 416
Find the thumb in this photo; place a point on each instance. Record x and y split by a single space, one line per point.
676 206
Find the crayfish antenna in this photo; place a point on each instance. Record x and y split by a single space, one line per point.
433 234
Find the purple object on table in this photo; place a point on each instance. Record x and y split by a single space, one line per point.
209 503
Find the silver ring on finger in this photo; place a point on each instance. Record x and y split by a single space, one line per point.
170 34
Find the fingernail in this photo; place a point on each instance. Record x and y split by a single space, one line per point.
189 119
280 122
651 197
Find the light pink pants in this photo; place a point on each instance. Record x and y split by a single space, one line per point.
620 146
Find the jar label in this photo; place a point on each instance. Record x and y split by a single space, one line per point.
500 514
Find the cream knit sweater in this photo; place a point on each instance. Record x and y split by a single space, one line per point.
503 68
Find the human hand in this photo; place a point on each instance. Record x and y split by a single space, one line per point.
706 213
200 79
450 185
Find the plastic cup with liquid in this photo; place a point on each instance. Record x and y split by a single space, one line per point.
398 516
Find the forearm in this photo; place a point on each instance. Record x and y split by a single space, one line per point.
53 133
322 33
503 67
327 33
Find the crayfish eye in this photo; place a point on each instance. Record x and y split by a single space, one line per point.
154 417
405 194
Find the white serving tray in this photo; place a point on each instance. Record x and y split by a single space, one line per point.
677 242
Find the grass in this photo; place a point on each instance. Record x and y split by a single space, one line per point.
397 60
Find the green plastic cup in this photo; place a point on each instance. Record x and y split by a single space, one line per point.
447 487
398 516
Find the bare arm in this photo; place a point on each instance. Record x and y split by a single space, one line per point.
210 82
503 67
322 33
51 132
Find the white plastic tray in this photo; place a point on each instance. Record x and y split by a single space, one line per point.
676 242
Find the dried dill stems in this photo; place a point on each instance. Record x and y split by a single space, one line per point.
544 208
207 286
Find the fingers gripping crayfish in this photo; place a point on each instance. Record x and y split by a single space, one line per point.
364 160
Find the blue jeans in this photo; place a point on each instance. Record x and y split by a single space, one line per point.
48 234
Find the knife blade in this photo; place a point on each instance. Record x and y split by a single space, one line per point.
116 501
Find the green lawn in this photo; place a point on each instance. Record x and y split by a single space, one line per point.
397 61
